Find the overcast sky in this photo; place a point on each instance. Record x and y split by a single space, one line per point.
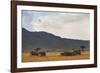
63 24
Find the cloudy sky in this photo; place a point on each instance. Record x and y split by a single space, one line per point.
63 24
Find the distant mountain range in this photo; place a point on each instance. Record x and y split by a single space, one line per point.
32 40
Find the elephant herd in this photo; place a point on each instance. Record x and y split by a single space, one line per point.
37 53
67 53
72 53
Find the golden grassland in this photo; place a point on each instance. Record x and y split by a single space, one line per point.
26 57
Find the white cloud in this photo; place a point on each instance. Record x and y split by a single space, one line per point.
66 25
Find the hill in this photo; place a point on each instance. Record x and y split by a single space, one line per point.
32 40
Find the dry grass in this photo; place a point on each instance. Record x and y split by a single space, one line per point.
26 57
